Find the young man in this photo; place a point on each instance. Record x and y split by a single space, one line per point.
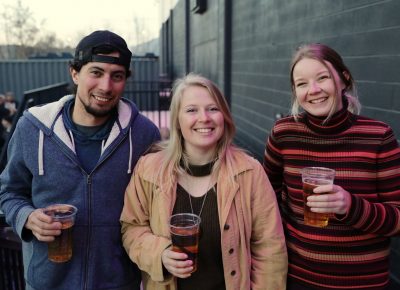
80 150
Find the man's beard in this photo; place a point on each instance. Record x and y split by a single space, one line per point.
98 113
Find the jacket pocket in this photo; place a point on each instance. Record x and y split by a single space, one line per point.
44 274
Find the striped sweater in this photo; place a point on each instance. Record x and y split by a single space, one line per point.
352 252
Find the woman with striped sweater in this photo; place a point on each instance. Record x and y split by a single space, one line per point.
352 252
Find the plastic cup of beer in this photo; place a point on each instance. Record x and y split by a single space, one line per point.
60 250
313 177
184 228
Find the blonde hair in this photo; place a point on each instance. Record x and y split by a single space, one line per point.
322 53
175 160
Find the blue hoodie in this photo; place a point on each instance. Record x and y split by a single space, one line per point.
43 169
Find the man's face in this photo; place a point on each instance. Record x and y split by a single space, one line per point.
99 88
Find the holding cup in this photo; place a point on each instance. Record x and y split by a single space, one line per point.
184 228
313 177
60 250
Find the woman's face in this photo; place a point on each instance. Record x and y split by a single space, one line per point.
200 121
315 88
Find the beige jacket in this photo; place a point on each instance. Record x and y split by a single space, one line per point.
248 215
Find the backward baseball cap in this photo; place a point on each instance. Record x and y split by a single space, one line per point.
86 50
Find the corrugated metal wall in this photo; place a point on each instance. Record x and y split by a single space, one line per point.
22 75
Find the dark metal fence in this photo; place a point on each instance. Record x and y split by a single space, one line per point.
152 99
12 271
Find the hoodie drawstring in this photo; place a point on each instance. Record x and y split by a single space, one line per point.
103 143
40 153
72 139
130 151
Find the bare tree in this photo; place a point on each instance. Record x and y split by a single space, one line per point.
24 36
138 26
46 43
20 28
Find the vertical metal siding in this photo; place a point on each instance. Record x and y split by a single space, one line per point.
22 75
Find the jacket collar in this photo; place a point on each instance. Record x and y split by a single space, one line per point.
49 120
48 114
241 164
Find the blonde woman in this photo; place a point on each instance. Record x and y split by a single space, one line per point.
199 171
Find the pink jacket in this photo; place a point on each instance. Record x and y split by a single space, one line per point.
248 215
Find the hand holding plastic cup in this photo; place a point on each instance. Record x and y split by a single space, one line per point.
60 250
184 228
313 177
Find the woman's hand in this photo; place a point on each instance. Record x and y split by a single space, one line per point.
42 226
332 199
177 263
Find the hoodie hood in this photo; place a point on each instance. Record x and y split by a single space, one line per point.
48 118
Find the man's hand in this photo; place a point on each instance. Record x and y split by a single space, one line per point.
42 226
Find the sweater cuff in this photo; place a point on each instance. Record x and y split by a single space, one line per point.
22 216
354 212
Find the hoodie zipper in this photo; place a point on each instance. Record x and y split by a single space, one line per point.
89 185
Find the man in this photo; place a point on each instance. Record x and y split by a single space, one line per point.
80 150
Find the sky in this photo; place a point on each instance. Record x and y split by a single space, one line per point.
135 20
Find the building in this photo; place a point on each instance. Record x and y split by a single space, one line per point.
245 47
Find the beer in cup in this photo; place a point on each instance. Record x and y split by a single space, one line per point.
313 177
60 250
184 228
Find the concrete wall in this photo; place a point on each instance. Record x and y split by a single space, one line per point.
251 64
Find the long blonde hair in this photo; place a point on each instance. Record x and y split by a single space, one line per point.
175 160
322 53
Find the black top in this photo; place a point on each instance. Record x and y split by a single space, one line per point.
210 270
199 170
88 139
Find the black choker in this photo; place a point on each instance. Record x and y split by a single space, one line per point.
200 170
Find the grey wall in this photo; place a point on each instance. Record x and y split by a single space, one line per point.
151 46
22 75
179 27
252 65
204 41
198 42
264 35
366 33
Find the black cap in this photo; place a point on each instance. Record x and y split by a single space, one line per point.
86 51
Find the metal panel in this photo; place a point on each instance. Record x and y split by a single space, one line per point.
19 76
22 75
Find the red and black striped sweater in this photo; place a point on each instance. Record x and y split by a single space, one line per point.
352 252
